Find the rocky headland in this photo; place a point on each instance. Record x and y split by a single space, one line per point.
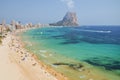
70 19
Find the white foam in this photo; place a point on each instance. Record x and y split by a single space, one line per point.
43 55
42 51
97 31
50 54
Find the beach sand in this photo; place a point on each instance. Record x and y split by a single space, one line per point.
9 70
16 63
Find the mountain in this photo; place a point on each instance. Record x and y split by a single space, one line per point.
70 19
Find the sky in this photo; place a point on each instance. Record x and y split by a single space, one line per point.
89 12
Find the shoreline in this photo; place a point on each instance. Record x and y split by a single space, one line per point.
89 73
48 68
32 68
26 62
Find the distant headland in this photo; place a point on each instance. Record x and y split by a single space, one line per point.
70 19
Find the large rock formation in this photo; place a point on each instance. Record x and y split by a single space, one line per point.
70 19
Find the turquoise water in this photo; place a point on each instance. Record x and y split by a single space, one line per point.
98 46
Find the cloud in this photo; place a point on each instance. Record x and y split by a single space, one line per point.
69 3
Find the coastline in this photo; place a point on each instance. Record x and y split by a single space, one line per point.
87 72
31 68
27 64
48 68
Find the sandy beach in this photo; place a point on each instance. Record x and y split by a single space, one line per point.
16 63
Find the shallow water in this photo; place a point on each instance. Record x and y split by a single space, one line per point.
95 45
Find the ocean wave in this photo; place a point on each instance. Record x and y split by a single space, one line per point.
97 31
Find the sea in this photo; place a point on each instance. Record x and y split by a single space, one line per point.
62 47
